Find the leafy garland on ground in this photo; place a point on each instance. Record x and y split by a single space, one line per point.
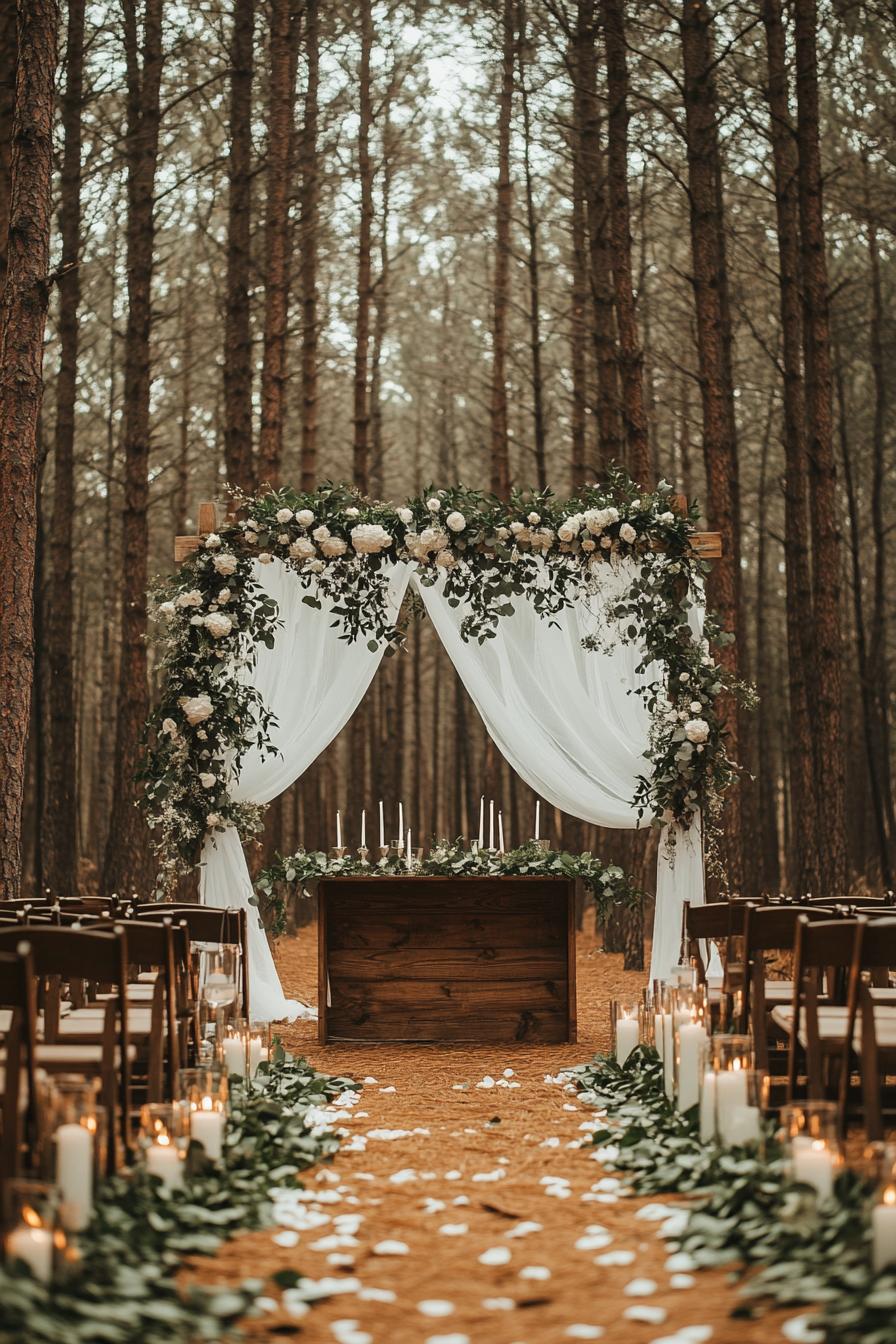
610 885
124 1286
793 1249
212 615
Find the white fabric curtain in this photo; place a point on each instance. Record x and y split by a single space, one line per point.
570 722
313 681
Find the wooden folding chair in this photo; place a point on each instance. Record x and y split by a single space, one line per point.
78 955
17 1075
209 924
869 1037
768 929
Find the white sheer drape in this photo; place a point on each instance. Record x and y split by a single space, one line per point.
568 720
313 681
571 724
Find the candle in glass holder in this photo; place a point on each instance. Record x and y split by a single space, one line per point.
692 1040
207 1128
32 1243
731 1094
813 1164
708 1107
883 1230
627 1035
163 1160
74 1174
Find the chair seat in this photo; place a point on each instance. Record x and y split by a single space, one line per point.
71 1056
832 1020
89 1022
138 992
779 991
883 995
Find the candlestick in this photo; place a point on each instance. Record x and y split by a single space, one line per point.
491 823
537 816
338 830
34 1245
482 821
658 1033
500 831
883 1230
382 828
74 1175
363 828
385 851
363 852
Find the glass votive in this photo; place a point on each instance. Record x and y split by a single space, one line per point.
707 1117
809 1131
740 1124
690 1038
219 967
683 976
732 1061
34 1236
664 996
164 1139
624 1020
233 1047
883 1228
77 1149
259 1045
204 1092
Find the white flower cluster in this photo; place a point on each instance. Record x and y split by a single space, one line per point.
370 538
431 543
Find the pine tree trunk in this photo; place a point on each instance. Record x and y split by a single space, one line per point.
828 728
535 339
281 140
127 863
631 357
238 455
500 445
581 293
714 342
361 416
381 312
9 47
308 231
803 847
23 312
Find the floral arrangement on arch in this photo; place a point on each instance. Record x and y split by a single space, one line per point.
212 614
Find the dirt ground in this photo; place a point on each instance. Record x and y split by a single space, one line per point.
505 1232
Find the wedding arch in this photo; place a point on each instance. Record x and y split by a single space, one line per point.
578 628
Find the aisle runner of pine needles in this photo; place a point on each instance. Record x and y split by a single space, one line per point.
787 1246
124 1286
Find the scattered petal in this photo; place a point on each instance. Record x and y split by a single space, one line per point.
454 1229
388 1247
615 1258
523 1229
682 1281
287 1238
486 1082
649 1315
495 1255
376 1295
447 1339
640 1288
681 1260
294 1303
497 1175
498 1303
584 1331
800 1330
654 1213
535 1272
435 1306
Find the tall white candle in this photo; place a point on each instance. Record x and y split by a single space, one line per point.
668 1057
363 828
691 1043
708 1107
382 827
74 1175
537 816
626 1037
254 1055
207 1128
813 1164
400 820
658 1034
731 1092
338 830
500 830
163 1160
481 821
34 1245
409 848
491 823
883 1230
744 1126
234 1048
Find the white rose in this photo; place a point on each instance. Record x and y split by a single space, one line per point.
283 538
588 544
445 560
304 517
503 533
196 708
353 513
667 517
225 564
434 505
568 529
191 599
612 514
167 610
684 676
370 538
250 538
302 549
207 781
406 516
333 546
696 707
696 730
433 539
169 727
534 519
218 624
316 566
606 543
213 819
197 620
456 521
284 515
224 596
264 557
595 520
628 533
516 528
320 533
212 541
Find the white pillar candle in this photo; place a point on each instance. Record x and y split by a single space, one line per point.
731 1092
743 1126
626 1037
163 1160
813 1164
883 1230
363 828
537 816
254 1055
409 848
74 1175
400 820
481 820
382 827
691 1044
207 1128
34 1245
491 823
708 1107
234 1048
668 1057
658 1034
501 831
338 830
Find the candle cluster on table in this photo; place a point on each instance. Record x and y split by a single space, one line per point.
498 838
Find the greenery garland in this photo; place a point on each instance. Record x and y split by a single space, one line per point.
609 884
212 614
124 1287
793 1250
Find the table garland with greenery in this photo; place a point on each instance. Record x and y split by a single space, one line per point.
788 1247
212 614
124 1286
609 885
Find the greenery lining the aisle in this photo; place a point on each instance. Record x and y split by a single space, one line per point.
608 884
791 1249
123 1286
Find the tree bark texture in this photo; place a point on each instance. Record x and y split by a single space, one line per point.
308 229
500 445
361 416
238 454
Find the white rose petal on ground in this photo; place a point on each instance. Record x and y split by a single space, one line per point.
682 1281
486 1082
595 1242
537 1272
640 1288
615 1258
454 1229
453 1175
447 1339
490 1175
340 1261
584 1332
389 1247
498 1303
800 1330
654 1213
495 1255
523 1229
349 1332
287 1238
376 1295
435 1306
387 1089
681 1260
695 1334
649 1315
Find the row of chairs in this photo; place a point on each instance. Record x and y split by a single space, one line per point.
811 982
114 1000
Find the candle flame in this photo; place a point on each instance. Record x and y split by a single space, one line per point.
163 1140
31 1217
89 1122
736 1065
890 1195
207 1104
818 1145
